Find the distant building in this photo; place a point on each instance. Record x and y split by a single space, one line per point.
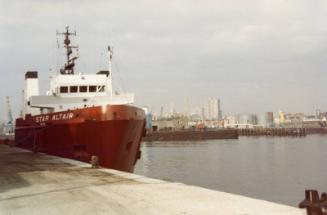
266 120
161 112
177 122
291 120
148 118
247 119
230 122
241 121
203 117
213 109
270 119
294 120
281 117
172 109
195 117
276 122
295 116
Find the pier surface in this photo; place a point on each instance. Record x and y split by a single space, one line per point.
42 184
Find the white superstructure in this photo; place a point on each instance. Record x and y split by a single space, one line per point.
71 91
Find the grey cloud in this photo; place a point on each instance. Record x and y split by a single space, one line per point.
258 53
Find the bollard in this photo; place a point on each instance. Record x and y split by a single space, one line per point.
323 202
95 161
313 204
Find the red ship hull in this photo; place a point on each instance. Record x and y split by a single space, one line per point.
111 132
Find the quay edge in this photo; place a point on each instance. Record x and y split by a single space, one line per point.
44 184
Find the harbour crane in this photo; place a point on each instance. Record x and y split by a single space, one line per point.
9 125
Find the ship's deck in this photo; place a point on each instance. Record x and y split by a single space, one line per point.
41 184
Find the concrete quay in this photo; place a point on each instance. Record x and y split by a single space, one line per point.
42 184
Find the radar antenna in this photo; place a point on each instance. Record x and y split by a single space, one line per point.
69 65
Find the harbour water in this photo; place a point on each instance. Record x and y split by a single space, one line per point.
276 169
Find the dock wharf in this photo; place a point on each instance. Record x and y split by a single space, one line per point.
322 130
190 135
299 132
41 184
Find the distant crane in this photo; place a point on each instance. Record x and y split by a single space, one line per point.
9 126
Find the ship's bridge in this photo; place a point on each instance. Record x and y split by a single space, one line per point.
81 85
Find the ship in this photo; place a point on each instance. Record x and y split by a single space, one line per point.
81 117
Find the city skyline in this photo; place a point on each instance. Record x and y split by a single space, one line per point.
256 57
169 110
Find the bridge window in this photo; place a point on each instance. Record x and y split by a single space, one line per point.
92 89
82 89
63 89
73 89
101 88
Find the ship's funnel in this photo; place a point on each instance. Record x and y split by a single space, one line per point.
31 89
32 84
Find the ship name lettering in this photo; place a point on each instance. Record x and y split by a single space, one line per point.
62 116
39 119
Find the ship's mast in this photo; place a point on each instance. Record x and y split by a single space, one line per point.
69 65
110 53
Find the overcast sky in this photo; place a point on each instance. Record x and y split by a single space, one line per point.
255 55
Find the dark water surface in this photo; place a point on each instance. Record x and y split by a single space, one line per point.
276 169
